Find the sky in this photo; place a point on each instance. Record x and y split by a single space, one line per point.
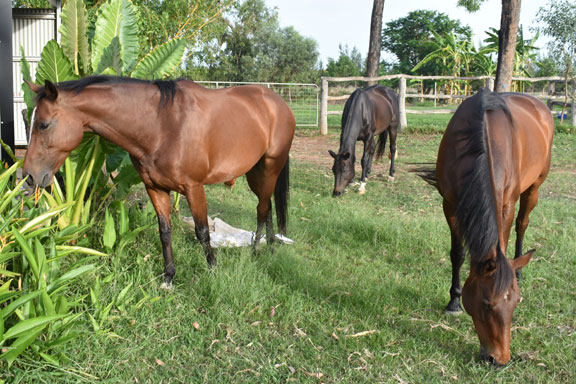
347 22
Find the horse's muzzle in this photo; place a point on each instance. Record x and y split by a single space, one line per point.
485 356
43 180
337 193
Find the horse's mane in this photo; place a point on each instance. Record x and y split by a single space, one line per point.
347 115
476 210
167 87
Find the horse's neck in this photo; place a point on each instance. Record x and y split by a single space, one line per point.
350 133
104 119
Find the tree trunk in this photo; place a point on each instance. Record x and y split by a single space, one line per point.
507 44
373 61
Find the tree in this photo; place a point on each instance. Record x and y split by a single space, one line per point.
509 21
349 63
375 40
410 38
253 47
558 19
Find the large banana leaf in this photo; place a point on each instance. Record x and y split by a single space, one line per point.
111 60
73 30
160 61
54 65
117 18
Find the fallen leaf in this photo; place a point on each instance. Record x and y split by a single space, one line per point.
196 326
160 362
364 333
272 312
334 336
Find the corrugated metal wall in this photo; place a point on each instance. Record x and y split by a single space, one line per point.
31 30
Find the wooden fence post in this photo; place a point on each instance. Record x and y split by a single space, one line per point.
490 83
324 107
402 103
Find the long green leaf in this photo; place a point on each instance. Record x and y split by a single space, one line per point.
76 249
73 31
109 235
161 61
11 195
44 217
25 326
28 253
117 18
10 308
21 343
29 97
54 65
69 276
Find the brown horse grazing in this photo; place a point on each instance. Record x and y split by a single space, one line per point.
367 113
496 150
180 136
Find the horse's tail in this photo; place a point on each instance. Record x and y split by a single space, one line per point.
281 194
381 148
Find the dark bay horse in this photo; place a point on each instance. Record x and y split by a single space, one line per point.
368 112
180 136
495 150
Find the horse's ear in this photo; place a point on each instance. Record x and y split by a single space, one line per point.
51 91
522 260
33 86
332 153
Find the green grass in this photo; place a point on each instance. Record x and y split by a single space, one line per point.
358 298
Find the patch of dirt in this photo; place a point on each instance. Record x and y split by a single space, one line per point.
313 149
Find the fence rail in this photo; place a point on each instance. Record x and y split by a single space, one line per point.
403 95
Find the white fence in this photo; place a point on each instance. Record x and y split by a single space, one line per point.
403 95
303 99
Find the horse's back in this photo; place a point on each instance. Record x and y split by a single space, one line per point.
533 132
386 110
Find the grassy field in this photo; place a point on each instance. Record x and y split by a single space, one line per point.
358 298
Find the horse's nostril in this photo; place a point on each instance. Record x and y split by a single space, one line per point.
336 193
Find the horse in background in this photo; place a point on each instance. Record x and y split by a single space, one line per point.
180 137
367 113
495 150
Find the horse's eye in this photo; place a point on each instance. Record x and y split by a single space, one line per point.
43 126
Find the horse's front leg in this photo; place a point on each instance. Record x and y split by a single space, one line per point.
457 255
369 148
161 201
197 201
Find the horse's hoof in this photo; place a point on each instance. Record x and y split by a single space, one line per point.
361 191
452 313
166 286
390 179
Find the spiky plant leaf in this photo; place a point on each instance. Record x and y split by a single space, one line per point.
54 65
160 61
28 94
73 31
117 18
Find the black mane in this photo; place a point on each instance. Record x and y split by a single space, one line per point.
167 88
476 210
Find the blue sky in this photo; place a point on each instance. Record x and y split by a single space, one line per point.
347 22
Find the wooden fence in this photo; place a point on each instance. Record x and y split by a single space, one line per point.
403 95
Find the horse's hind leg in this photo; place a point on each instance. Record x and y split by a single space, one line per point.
197 201
528 201
369 148
392 130
161 201
262 182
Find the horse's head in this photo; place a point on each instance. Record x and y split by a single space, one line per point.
343 169
54 132
492 309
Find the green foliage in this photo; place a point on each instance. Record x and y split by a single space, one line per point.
117 19
349 63
410 38
36 314
74 34
54 65
253 47
160 61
